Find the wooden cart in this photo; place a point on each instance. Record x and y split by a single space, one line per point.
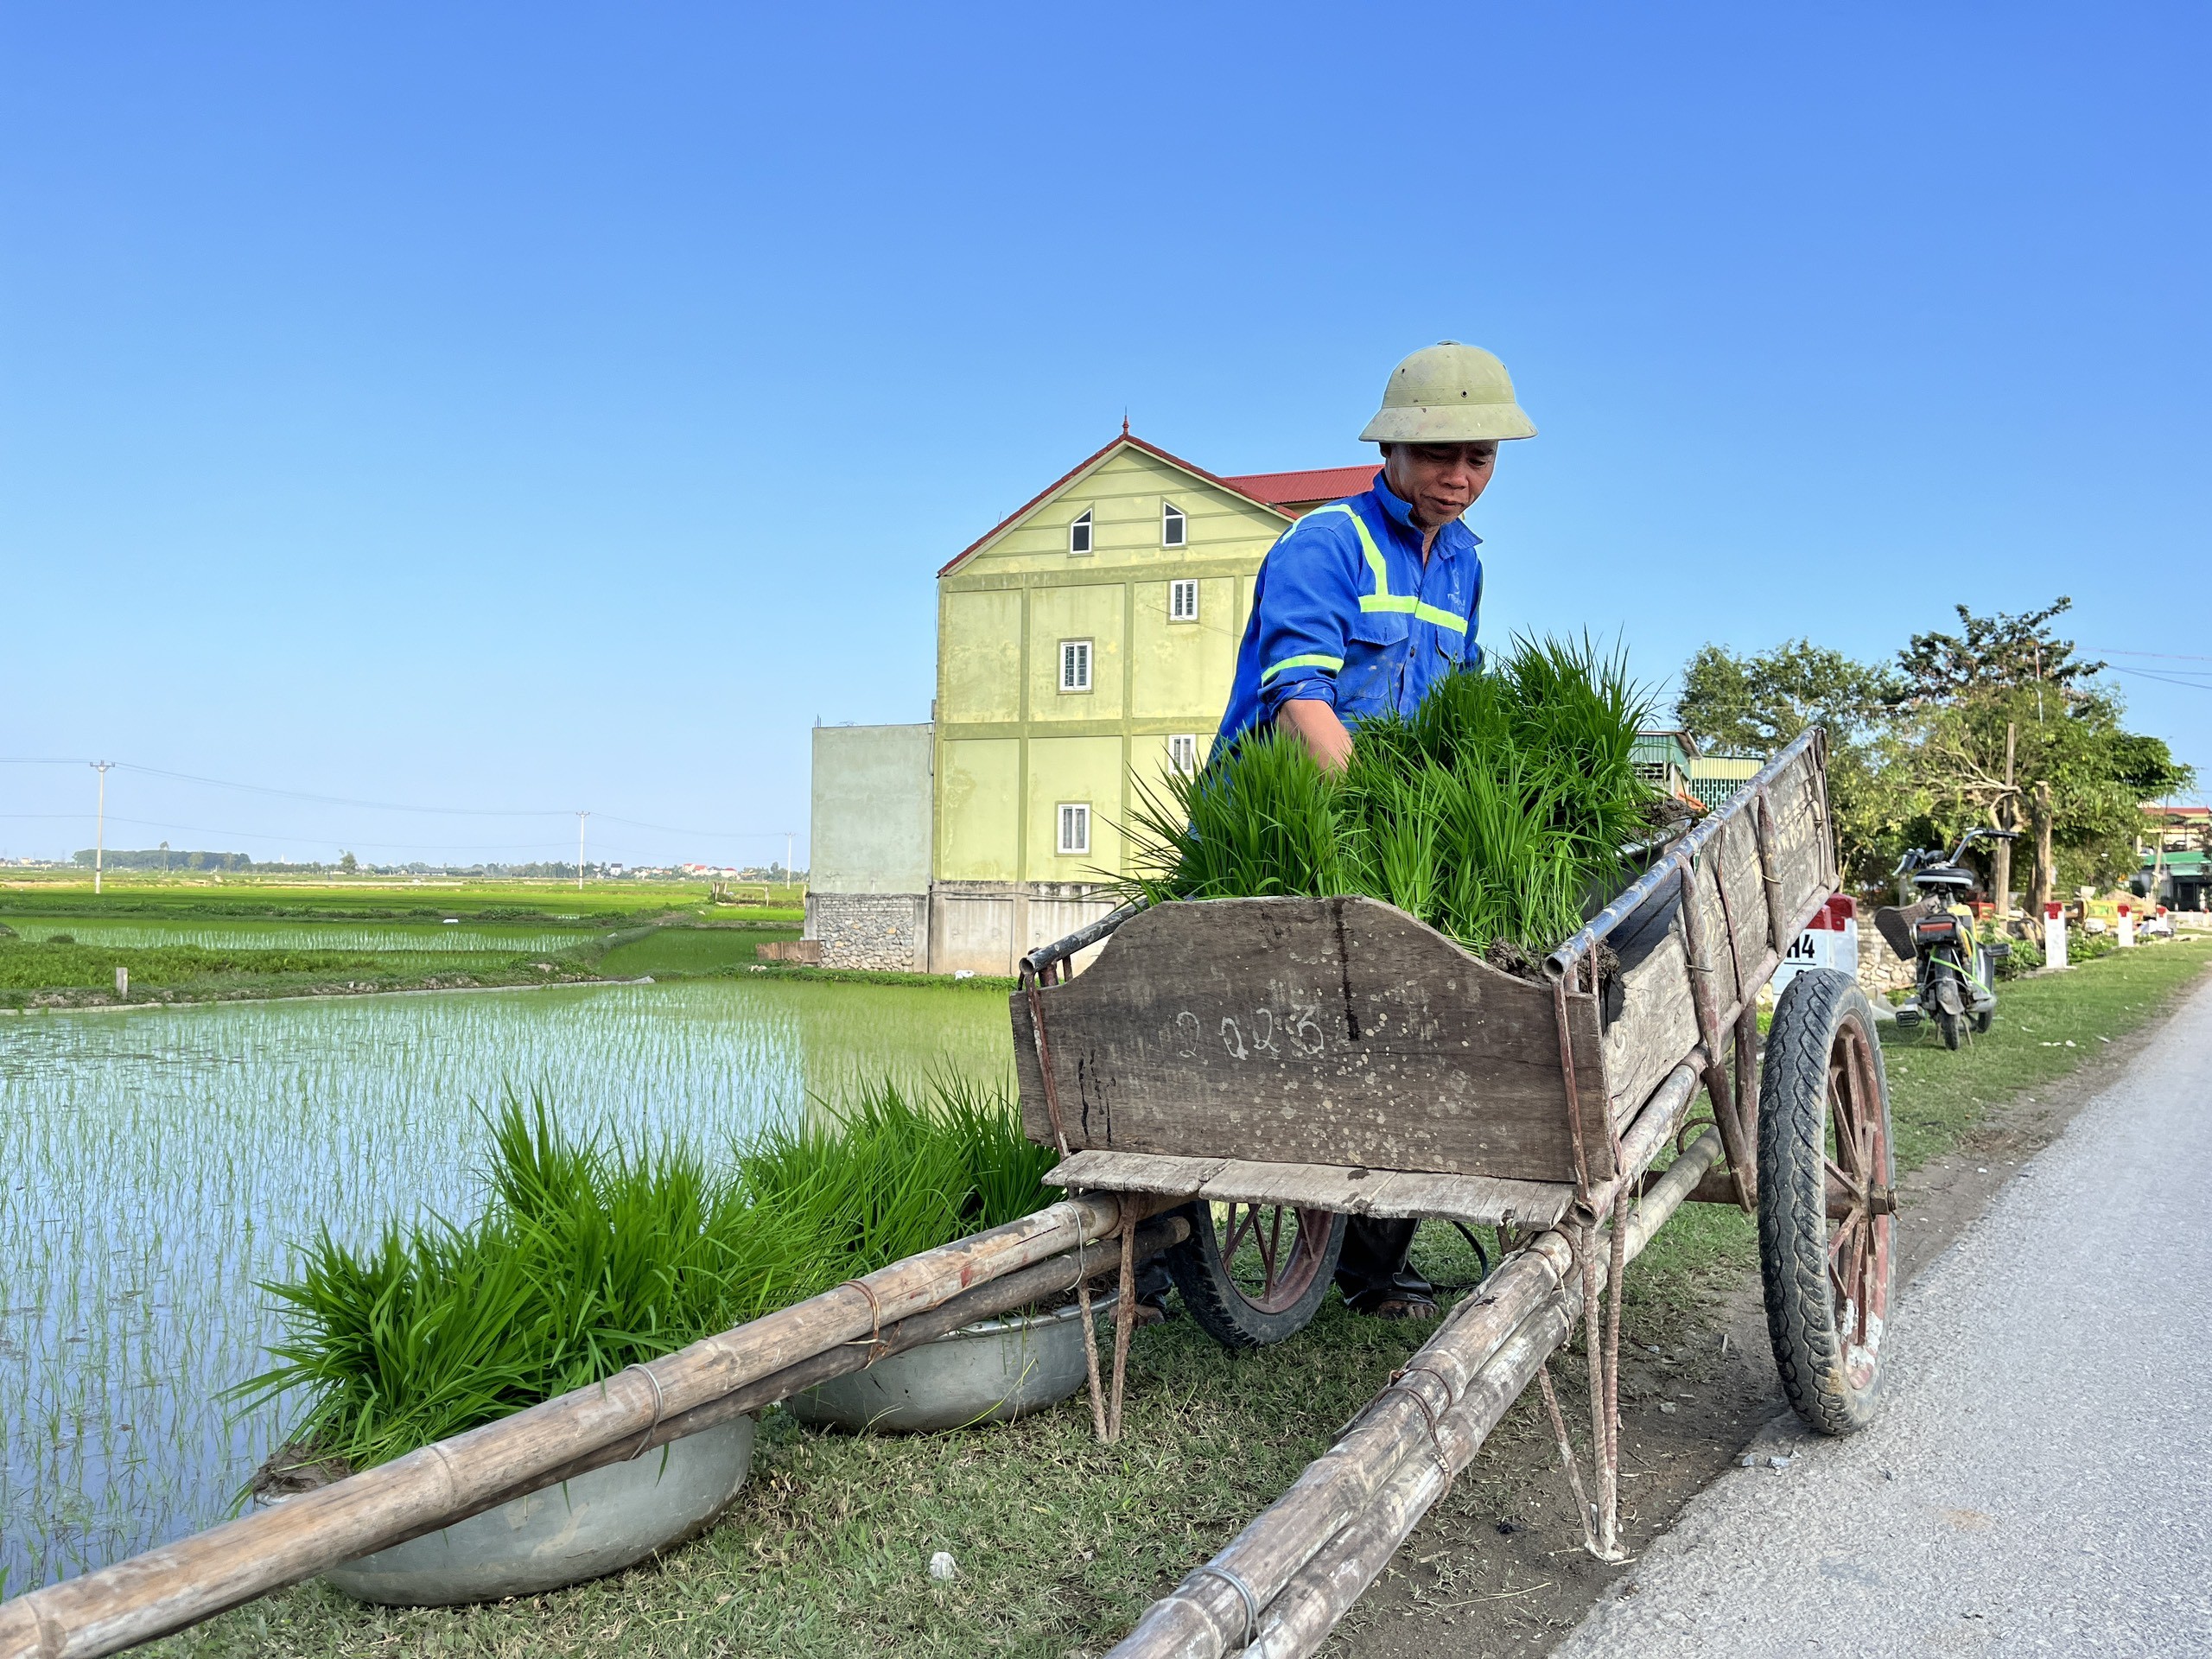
1279 1065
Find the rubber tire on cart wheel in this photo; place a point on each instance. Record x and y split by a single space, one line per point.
1238 1307
1826 1283
1952 1026
1983 1020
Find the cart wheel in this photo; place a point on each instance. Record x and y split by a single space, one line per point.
1253 1274
1826 1256
1983 1020
1953 1025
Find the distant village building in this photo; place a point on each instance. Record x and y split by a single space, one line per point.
1087 639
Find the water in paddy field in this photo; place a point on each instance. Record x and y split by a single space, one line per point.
160 1162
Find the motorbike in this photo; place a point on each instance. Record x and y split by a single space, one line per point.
1953 981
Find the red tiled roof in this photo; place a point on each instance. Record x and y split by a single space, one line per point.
1323 484
1235 486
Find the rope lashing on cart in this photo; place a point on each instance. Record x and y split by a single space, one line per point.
1601 1316
1235 1581
660 1409
874 1341
1031 978
1566 1459
1397 1385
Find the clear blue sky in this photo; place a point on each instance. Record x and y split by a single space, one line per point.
546 407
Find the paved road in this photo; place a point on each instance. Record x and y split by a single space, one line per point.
2040 1481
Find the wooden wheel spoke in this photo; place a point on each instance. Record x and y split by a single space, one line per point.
1845 1231
1270 1244
1844 1176
1864 1298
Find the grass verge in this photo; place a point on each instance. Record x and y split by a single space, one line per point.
41 975
1060 1543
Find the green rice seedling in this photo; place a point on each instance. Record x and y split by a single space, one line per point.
1490 813
590 1257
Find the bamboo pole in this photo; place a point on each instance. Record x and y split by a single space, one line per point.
1055 1276
1323 1591
1207 1611
195 1577
1301 1607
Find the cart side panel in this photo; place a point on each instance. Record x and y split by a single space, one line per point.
1803 850
1651 1019
1741 945
1323 1031
1654 1023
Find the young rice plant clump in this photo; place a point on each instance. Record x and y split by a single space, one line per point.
1492 813
588 1258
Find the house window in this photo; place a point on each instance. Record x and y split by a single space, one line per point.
1174 528
1074 827
1183 752
1075 664
1183 602
1079 533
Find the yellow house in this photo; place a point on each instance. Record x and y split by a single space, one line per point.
1085 641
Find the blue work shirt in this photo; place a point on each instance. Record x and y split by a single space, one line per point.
1346 610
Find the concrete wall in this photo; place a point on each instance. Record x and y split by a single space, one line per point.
872 809
986 927
868 875
1012 745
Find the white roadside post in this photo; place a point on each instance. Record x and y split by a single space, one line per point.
2054 935
123 983
2126 927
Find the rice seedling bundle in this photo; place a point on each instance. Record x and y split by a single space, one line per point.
588 1258
1492 813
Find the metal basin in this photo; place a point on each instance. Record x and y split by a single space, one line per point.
992 1372
586 1528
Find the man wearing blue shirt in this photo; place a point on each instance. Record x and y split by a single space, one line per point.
1362 605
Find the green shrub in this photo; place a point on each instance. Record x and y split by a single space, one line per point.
588 1258
1490 813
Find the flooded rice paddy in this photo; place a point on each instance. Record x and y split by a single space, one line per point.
161 1162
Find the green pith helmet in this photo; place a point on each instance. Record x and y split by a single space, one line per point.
1448 393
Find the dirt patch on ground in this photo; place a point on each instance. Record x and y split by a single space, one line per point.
1497 1567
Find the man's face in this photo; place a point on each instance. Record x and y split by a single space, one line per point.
1440 480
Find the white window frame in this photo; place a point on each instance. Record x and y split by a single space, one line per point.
1075 665
1083 528
1174 517
1181 588
1074 837
1183 752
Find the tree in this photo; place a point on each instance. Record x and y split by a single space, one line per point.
347 864
2001 725
2013 730
1754 705
1992 653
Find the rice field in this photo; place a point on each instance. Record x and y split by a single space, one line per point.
132 932
161 1163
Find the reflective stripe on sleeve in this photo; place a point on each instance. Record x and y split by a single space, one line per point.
1311 659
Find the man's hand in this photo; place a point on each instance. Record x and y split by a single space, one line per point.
1314 723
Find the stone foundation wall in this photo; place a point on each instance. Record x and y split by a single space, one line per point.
1880 969
884 931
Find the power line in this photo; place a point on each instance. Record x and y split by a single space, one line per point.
2167 679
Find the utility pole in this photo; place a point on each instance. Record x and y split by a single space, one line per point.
2007 818
788 836
581 816
99 831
